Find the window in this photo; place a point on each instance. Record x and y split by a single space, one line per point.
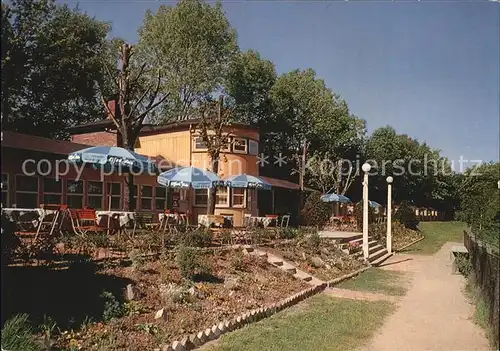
95 191
26 191
227 148
253 147
52 191
114 190
222 197
161 198
5 190
146 197
201 197
74 192
238 197
239 145
199 144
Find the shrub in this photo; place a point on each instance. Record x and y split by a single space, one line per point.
18 335
136 258
358 213
10 241
315 212
314 240
288 233
191 263
112 308
199 237
406 216
238 261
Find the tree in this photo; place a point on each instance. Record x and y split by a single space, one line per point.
51 61
329 173
135 99
248 84
193 44
310 119
213 129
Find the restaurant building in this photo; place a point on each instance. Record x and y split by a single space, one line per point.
34 172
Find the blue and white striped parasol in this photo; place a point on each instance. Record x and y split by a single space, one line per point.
247 181
335 198
374 204
184 177
113 157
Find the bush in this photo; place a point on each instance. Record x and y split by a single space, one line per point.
18 335
288 233
112 308
406 216
10 241
315 212
237 262
358 213
199 237
191 262
136 258
314 240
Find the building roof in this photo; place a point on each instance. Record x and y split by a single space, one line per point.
147 128
36 143
280 183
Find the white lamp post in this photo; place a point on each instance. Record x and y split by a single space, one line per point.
366 168
389 214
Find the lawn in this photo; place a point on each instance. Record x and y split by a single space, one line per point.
378 281
436 234
319 323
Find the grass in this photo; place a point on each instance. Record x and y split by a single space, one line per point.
320 323
436 235
378 281
481 310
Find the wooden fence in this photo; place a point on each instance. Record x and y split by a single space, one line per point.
485 264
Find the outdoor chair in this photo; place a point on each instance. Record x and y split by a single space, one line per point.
285 220
85 221
145 221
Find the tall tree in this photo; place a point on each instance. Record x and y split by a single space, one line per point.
248 84
193 43
215 118
51 61
135 98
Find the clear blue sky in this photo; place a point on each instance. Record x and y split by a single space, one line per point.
429 69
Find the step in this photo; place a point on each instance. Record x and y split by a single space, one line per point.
277 263
371 243
375 248
291 270
381 259
307 278
263 255
377 254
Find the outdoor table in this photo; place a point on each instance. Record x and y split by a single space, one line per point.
208 220
122 217
31 216
265 221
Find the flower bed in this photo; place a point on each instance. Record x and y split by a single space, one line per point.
324 261
166 307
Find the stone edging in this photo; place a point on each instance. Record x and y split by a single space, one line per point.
410 244
335 281
196 340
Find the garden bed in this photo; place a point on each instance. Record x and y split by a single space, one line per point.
401 236
231 285
325 260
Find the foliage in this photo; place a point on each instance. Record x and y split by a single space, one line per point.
315 212
192 43
328 172
358 214
314 240
136 258
238 261
191 262
52 57
406 215
10 241
199 237
112 308
464 265
248 83
289 233
480 201
421 175
18 335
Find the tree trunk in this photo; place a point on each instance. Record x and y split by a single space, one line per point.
128 191
213 190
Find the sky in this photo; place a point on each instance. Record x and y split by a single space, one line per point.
430 69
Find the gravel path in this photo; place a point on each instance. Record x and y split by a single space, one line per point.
434 314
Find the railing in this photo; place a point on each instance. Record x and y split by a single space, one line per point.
485 264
